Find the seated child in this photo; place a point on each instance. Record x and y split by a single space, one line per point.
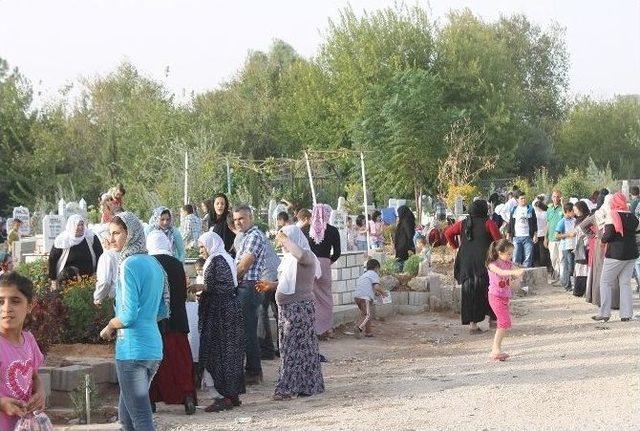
367 287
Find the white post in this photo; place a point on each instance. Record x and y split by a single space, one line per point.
313 190
228 178
364 192
186 177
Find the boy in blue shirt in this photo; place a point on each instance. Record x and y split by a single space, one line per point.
566 234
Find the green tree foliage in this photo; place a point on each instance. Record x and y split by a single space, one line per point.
608 132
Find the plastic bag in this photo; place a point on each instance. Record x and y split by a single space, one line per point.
37 421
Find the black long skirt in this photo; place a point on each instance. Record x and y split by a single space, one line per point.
475 300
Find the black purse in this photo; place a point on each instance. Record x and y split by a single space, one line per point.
581 251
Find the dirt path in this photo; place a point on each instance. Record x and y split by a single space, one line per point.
426 372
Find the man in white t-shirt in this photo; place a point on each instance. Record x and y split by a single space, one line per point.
523 229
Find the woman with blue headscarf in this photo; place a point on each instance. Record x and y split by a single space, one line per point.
162 220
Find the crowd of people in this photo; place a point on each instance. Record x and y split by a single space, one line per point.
589 246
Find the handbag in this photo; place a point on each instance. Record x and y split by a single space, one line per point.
36 421
581 252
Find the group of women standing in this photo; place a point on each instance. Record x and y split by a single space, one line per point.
603 275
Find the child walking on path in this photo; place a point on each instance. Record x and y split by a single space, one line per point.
367 287
21 392
501 272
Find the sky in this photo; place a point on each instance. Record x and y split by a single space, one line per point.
204 43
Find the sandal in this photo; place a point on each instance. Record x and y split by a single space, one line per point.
500 357
219 405
279 397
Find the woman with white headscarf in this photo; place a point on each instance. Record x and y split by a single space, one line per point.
324 241
140 303
75 247
221 324
300 371
162 220
173 383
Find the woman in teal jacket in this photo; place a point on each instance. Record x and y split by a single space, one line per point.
162 220
141 300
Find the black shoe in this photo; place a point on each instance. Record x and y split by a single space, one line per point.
277 353
625 319
322 358
153 407
189 405
600 318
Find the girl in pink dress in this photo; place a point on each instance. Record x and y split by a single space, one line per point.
501 272
21 391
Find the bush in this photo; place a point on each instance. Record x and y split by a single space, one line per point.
412 265
389 267
523 185
47 320
467 191
574 184
38 273
84 320
541 183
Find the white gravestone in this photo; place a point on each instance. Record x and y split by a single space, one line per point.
61 206
338 219
458 207
22 213
52 226
270 214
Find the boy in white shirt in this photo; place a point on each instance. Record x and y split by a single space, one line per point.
566 234
367 287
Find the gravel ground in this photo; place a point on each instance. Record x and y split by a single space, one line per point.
426 372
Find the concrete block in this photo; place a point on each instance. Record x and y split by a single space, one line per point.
383 311
341 262
45 378
418 298
100 371
68 378
400 298
419 284
337 299
336 274
351 284
345 273
347 298
457 298
360 259
410 309
535 278
356 271
351 260
435 282
389 282
344 314
339 286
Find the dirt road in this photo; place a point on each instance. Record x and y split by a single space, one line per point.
426 372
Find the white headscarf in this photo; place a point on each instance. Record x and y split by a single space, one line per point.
68 238
158 243
603 215
288 269
215 247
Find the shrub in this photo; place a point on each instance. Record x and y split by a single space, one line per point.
389 267
541 183
412 265
85 320
523 185
47 320
467 191
574 184
38 273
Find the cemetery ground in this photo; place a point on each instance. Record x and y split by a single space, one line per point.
426 372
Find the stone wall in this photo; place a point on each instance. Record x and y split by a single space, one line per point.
344 273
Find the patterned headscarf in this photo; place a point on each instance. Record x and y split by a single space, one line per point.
319 219
154 221
135 236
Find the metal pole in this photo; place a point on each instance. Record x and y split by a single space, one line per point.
313 190
228 178
364 192
186 177
87 396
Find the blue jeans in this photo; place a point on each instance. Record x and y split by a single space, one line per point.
251 301
134 408
523 245
569 263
